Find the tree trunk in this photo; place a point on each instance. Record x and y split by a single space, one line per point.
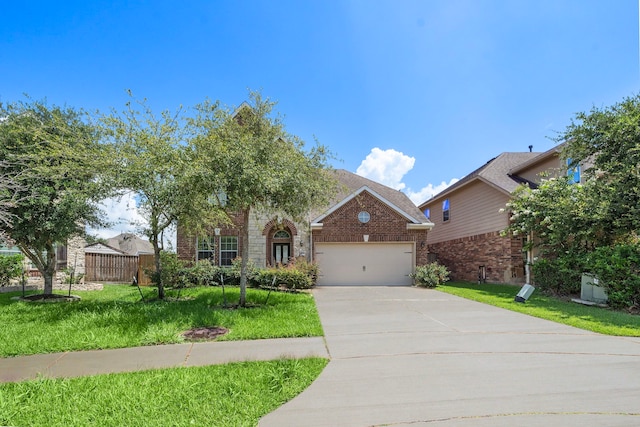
49 269
156 258
244 236
48 283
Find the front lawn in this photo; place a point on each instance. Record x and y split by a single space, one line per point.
116 317
601 320
237 394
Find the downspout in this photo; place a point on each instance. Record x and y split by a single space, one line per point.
527 265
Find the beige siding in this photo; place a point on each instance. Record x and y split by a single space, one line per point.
474 209
551 166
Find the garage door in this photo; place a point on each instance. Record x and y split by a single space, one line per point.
364 263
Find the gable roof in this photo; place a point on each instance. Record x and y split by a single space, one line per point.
101 248
496 173
538 159
353 185
130 244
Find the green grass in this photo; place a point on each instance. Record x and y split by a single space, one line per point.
116 317
596 319
237 394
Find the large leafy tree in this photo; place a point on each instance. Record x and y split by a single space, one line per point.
8 195
259 166
605 208
55 161
154 161
609 140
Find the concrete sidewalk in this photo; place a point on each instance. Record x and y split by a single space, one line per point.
75 364
417 357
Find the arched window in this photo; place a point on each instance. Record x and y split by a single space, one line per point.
281 234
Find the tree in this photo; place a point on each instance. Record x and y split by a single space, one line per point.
54 156
154 161
609 138
259 167
8 194
559 213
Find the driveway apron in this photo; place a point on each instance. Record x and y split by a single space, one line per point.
403 356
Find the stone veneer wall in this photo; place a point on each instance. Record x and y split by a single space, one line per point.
501 256
186 244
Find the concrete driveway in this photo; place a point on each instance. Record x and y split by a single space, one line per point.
403 356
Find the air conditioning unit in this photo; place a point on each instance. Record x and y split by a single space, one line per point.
591 291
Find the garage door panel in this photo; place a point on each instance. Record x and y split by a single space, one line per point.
364 263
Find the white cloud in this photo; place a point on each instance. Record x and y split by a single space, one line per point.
122 212
387 167
429 191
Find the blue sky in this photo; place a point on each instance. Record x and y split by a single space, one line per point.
413 94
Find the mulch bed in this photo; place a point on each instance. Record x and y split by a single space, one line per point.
50 298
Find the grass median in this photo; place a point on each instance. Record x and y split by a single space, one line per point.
116 317
596 319
236 394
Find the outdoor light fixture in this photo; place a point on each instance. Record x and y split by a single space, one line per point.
217 231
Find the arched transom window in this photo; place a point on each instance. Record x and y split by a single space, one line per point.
281 234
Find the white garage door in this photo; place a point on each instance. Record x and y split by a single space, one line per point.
364 263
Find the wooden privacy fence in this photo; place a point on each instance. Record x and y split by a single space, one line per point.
146 262
110 268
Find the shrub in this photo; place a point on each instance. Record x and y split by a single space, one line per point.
559 276
290 278
618 269
10 268
203 273
299 274
311 269
172 271
430 275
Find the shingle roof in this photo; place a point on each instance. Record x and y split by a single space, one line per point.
352 183
130 244
495 172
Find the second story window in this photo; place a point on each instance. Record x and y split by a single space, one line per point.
427 213
573 172
445 210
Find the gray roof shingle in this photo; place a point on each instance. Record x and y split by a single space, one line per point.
350 183
495 172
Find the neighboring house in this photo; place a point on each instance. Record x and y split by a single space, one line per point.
466 237
101 248
130 244
370 234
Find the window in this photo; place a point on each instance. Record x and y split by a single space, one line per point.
206 248
281 235
228 249
364 217
445 210
573 173
427 213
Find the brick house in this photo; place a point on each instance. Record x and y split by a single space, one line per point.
468 222
370 234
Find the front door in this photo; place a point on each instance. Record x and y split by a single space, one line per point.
281 253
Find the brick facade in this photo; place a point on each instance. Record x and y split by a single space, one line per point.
501 257
342 225
385 225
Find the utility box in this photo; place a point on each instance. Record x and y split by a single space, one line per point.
524 293
590 290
